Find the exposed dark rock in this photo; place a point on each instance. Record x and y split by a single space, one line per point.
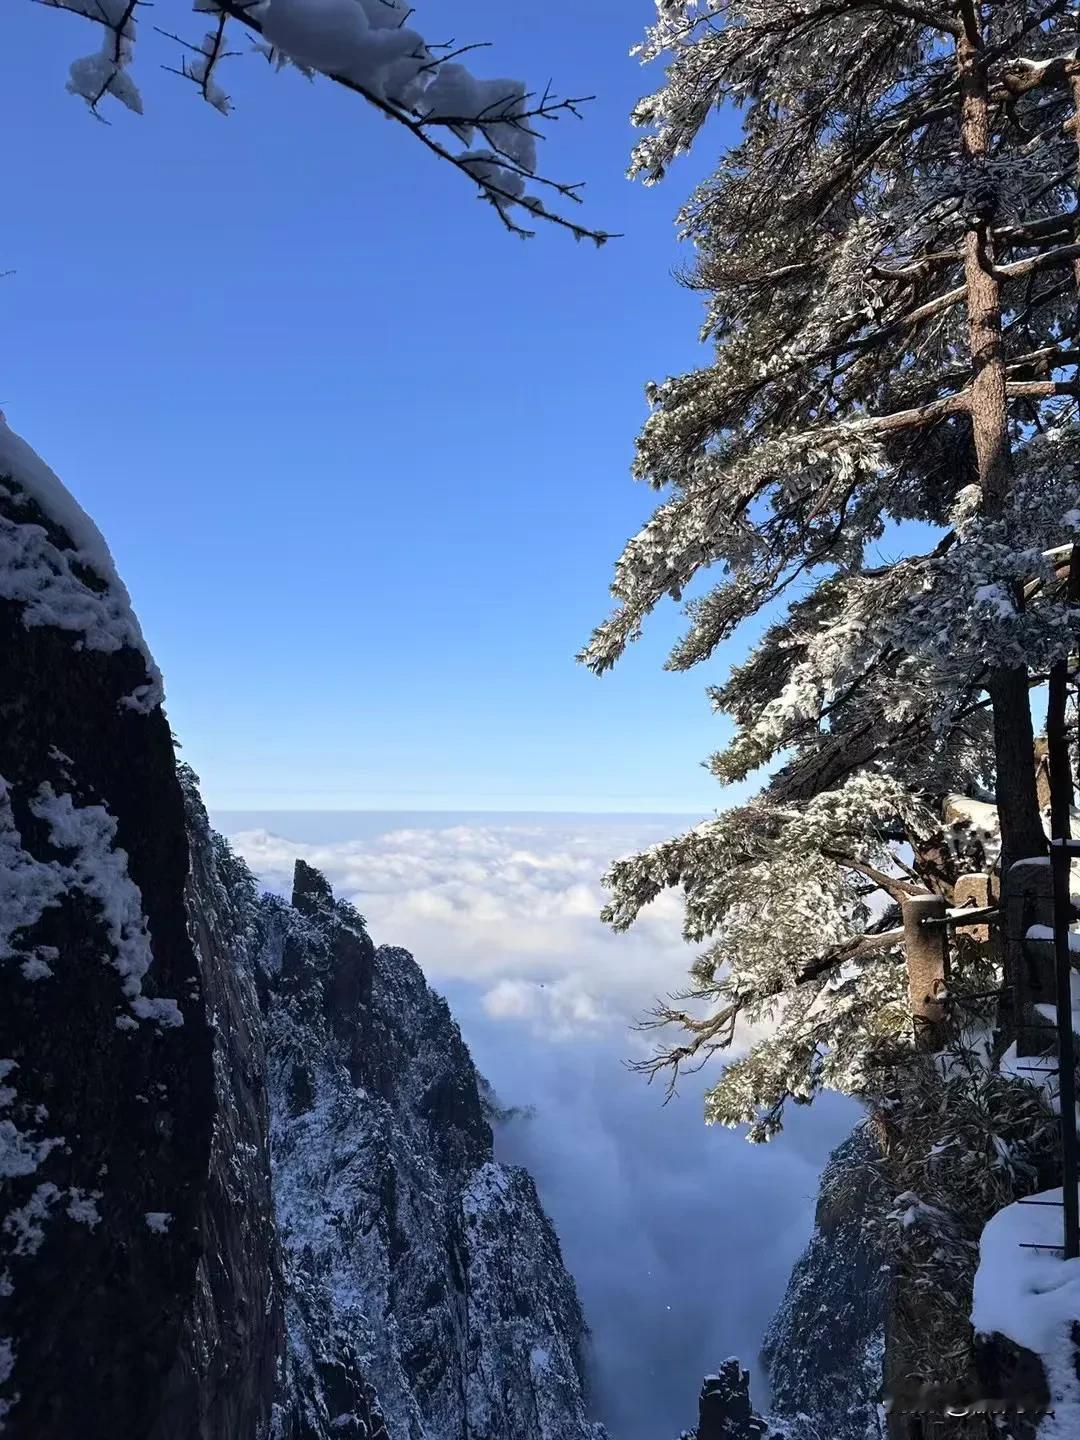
234 1334
417 1269
1013 1383
824 1348
118 1319
1005 1394
724 1409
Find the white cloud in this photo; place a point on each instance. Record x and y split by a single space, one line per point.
510 999
515 908
559 1010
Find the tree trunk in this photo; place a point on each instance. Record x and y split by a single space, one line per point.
1059 768
1014 738
1022 834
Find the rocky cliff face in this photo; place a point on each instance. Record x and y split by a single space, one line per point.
232 1341
127 1306
418 1269
247 1189
421 1285
825 1346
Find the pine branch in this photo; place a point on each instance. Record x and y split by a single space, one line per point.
898 889
717 1031
419 126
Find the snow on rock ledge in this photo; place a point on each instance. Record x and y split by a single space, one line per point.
1032 1297
56 566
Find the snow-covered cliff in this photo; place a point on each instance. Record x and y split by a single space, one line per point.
135 1237
825 1346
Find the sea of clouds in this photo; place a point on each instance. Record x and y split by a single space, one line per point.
680 1236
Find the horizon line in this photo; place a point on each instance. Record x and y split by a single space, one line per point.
433 810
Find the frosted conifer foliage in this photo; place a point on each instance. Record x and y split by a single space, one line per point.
787 897
486 128
889 265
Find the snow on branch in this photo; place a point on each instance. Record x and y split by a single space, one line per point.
105 72
488 130
717 1031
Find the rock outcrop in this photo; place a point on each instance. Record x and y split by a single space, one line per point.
824 1348
426 1274
121 1309
724 1408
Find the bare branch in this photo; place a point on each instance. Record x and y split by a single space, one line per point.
502 199
716 1032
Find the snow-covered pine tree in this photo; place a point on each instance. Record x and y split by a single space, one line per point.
485 129
889 258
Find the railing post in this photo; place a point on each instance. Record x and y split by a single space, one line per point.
1061 868
927 950
973 890
1059 772
1027 900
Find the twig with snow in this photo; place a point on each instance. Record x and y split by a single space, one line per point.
365 46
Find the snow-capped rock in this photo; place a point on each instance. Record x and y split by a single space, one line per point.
133 1192
825 1346
425 1288
724 1409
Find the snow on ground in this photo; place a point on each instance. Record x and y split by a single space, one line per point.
1032 1296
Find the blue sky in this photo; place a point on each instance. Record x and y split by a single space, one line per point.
362 458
